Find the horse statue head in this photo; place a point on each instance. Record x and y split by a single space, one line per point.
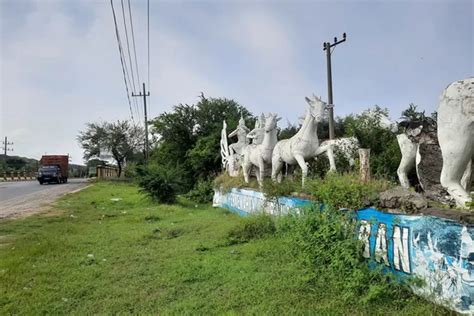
271 120
317 108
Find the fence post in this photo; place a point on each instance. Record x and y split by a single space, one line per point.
364 157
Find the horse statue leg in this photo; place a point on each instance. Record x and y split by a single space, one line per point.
277 164
261 170
246 165
328 149
304 167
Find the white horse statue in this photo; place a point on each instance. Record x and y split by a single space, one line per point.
456 137
303 145
261 154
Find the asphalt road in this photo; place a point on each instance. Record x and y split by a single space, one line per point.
21 198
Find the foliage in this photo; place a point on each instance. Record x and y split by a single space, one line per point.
130 170
95 162
202 192
160 182
17 163
324 243
190 134
225 183
384 151
119 138
133 256
287 186
253 227
345 190
288 131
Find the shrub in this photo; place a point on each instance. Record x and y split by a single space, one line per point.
252 227
202 192
332 258
161 183
225 183
346 190
130 170
287 186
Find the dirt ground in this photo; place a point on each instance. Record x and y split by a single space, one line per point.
36 202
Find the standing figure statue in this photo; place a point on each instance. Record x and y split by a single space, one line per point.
304 144
225 153
456 137
256 135
261 154
241 131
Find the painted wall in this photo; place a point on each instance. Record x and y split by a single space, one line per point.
438 250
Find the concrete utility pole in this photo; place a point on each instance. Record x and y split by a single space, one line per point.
6 143
327 47
144 95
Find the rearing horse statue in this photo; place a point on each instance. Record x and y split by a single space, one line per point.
259 155
303 145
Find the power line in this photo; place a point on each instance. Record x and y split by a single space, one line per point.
129 59
122 61
148 38
133 41
134 51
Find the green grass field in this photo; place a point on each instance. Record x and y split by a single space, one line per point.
92 255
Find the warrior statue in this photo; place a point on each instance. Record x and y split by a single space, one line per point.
257 134
241 131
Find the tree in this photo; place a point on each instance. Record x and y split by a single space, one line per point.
189 136
384 151
120 138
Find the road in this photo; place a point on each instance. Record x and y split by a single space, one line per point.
22 198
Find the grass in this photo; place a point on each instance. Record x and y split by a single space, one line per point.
99 256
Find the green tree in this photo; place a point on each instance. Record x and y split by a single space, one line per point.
384 151
120 138
189 136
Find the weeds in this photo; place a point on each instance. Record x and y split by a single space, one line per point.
346 190
253 227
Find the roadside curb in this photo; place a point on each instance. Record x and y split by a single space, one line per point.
80 189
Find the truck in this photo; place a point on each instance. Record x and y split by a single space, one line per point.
53 168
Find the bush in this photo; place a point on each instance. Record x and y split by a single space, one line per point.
346 191
287 186
202 192
161 183
130 170
332 258
225 183
252 227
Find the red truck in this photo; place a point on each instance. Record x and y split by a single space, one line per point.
54 168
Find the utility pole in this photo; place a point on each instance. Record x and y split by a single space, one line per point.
327 47
144 95
6 143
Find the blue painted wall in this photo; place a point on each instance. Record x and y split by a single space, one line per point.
438 250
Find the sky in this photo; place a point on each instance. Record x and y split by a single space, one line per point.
60 65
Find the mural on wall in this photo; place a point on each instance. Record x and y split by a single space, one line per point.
437 250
